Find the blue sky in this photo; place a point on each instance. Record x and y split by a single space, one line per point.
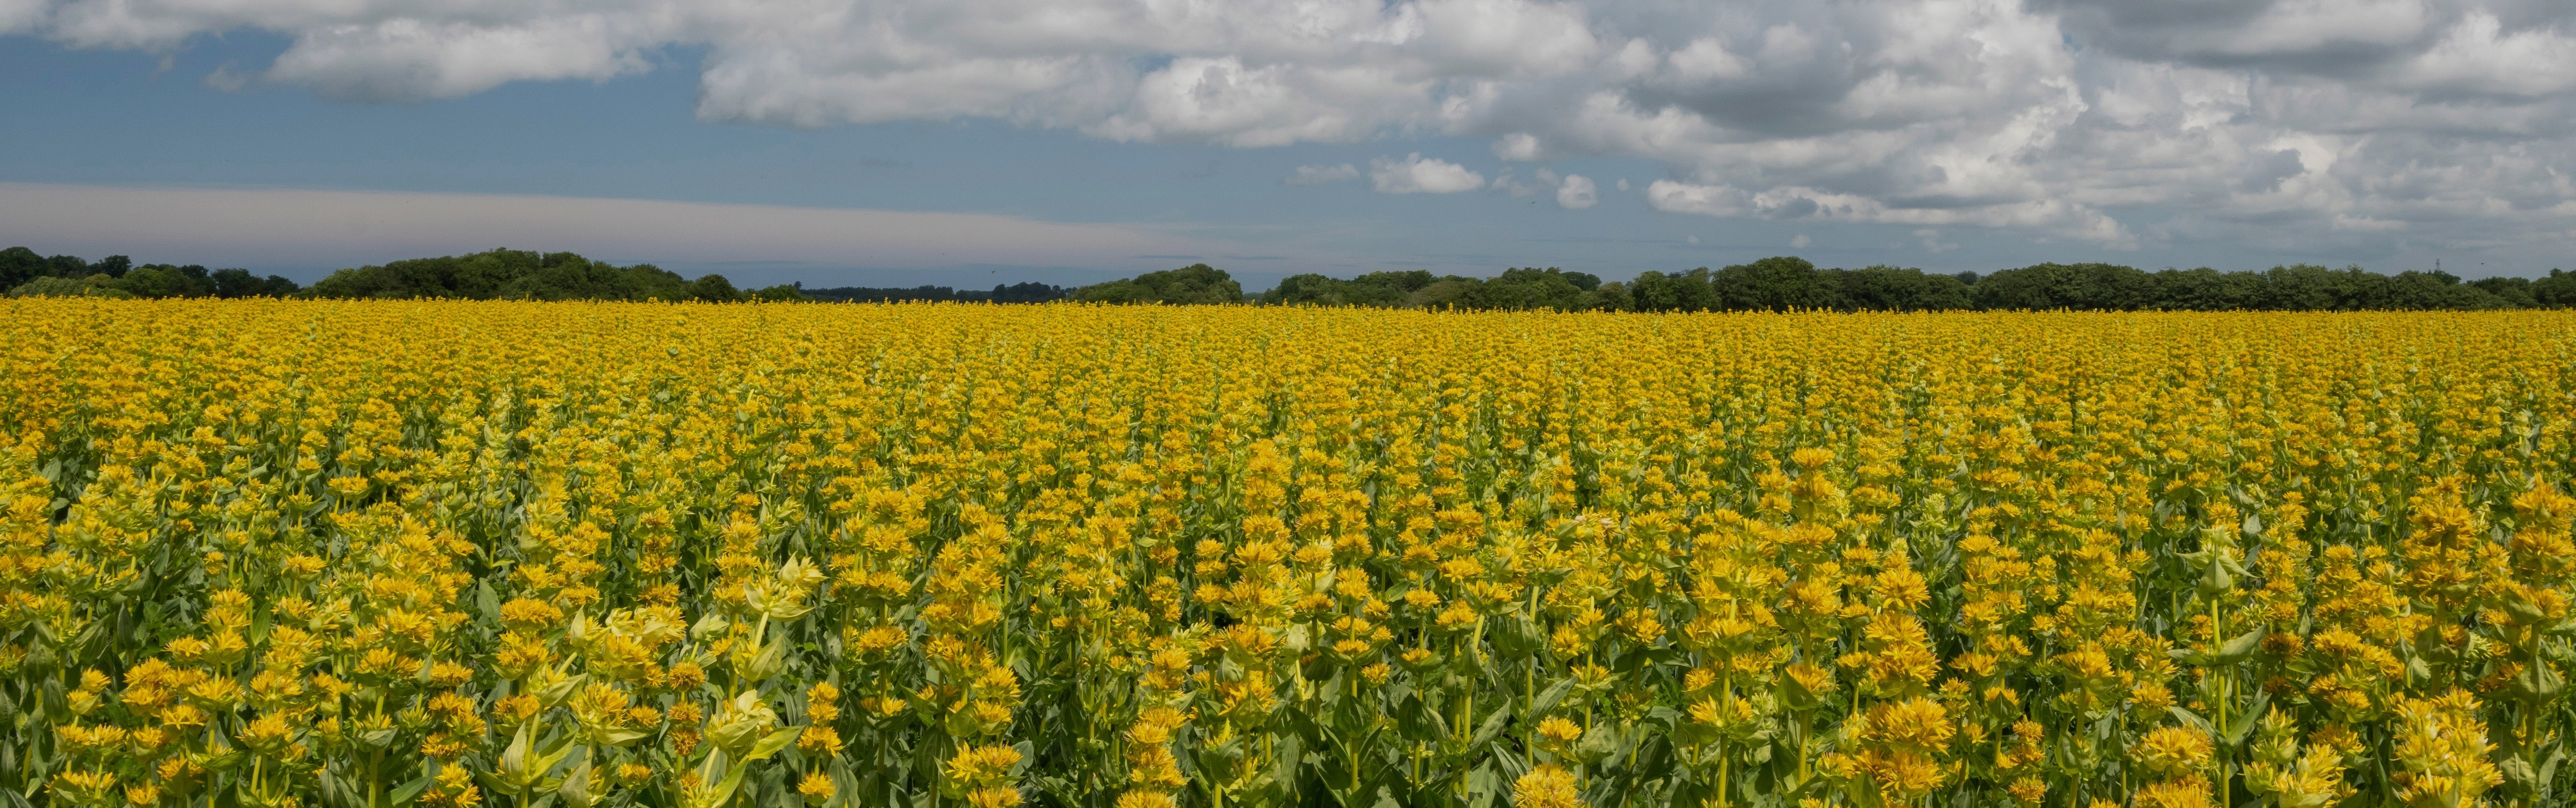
250 116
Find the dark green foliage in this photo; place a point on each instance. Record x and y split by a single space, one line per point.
2097 287
1775 284
503 274
1789 283
1549 288
714 288
1781 283
1196 283
117 276
1689 291
1515 289
782 293
157 280
1886 288
2556 291
240 283
1014 293
114 266
2514 293
19 265
1373 289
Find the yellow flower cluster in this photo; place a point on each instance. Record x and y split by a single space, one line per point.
373 554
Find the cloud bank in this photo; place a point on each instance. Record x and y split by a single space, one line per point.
337 227
2107 122
1416 174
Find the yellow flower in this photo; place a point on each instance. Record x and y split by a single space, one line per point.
2173 751
816 788
1547 786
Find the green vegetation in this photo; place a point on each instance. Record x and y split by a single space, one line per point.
1014 293
24 273
1785 283
1196 283
526 275
1771 284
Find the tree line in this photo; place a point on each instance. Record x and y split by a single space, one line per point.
1787 283
504 274
500 274
24 274
1771 284
1013 293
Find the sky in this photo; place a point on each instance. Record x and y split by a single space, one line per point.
972 142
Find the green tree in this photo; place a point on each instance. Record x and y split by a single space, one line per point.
1887 288
1610 296
240 283
2558 290
1196 283
1451 292
1779 283
2513 293
517 275
2099 287
714 288
1548 288
19 265
1689 291
2206 289
781 293
59 286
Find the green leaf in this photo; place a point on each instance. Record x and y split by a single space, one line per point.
770 744
405 793
1493 726
513 765
622 737
2238 649
2244 723
1548 699
1600 743
575 788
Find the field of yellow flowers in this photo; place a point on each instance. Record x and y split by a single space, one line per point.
560 555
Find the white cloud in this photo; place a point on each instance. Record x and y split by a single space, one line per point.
1800 242
1576 193
408 58
1416 174
1931 240
1320 174
2110 122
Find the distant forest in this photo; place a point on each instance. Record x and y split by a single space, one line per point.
1771 284
1014 293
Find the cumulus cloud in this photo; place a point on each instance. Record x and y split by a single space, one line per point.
1416 174
1576 193
1320 174
2106 122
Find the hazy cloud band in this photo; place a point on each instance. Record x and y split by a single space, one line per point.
341 228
